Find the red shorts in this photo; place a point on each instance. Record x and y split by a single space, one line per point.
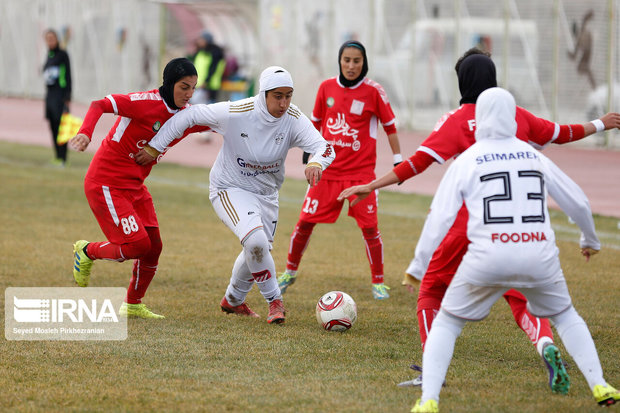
122 213
321 206
441 270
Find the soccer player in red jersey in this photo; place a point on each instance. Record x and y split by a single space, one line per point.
347 110
114 183
452 135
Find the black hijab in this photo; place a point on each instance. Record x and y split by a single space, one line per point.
476 74
175 70
357 45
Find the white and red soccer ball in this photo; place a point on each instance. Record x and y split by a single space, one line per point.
336 311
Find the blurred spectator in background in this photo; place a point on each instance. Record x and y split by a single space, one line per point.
57 76
583 47
210 64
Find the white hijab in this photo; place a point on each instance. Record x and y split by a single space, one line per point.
495 114
271 78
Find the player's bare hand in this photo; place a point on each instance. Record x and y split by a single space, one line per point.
588 252
360 191
313 174
411 283
79 142
611 120
143 157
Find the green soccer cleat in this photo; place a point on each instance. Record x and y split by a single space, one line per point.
285 280
379 291
429 407
82 264
605 395
137 311
558 377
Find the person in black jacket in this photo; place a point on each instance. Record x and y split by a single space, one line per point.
57 76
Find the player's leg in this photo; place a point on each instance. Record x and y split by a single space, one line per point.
241 282
555 299
441 269
437 357
462 301
365 214
320 206
300 238
539 332
126 236
253 219
144 268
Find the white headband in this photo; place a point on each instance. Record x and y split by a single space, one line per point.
274 77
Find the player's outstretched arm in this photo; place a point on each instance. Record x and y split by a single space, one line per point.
362 191
610 120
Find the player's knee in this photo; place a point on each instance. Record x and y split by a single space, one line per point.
371 233
156 246
305 227
256 245
566 319
136 249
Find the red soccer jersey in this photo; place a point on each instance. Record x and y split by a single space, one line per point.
348 119
454 133
141 114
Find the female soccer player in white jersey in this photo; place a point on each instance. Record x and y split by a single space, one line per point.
247 174
114 184
504 182
347 111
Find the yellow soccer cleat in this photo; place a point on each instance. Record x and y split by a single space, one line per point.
82 264
137 311
285 280
379 291
429 407
605 395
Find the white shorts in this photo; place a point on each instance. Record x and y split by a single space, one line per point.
244 212
474 302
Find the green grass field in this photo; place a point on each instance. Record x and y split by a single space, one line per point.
199 359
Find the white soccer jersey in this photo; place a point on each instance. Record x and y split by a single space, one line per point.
504 183
255 143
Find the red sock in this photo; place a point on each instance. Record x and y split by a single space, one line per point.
144 268
118 252
374 251
534 327
425 320
104 250
299 241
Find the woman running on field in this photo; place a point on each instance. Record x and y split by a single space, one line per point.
114 183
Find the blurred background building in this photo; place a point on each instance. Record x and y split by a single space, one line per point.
558 57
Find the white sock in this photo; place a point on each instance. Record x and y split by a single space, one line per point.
542 342
438 352
261 265
578 342
241 282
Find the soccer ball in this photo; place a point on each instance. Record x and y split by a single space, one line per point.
336 311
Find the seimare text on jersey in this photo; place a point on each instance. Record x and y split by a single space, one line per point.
491 157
